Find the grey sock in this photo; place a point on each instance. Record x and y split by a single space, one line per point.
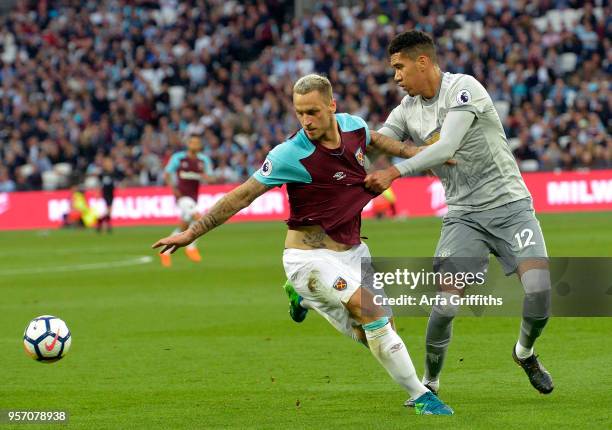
536 305
437 339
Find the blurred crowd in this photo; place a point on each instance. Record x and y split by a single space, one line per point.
129 79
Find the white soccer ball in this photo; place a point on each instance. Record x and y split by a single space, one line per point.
47 339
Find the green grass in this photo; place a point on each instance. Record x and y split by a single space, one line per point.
212 346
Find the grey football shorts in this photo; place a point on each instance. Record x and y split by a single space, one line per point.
511 232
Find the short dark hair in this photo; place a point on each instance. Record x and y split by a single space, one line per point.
413 43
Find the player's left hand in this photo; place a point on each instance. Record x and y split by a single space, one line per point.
174 242
380 180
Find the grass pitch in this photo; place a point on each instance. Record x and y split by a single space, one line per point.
210 345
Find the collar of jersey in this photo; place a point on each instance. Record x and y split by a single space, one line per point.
429 102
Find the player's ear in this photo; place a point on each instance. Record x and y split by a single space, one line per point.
332 105
422 62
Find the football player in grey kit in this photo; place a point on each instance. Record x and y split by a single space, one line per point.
489 207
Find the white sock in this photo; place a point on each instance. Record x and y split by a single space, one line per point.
391 353
192 244
522 352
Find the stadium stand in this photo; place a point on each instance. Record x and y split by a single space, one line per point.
80 80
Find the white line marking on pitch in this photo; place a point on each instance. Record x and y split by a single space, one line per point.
78 267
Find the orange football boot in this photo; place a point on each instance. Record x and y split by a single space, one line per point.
166 259
193 254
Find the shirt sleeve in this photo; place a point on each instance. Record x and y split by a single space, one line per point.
455 126
282 166
173 164
365 126
208 166
468 94
395 126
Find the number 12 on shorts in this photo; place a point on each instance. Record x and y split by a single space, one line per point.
524 238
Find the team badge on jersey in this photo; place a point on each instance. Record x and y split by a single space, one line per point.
359 156
266 168
340 284
463 97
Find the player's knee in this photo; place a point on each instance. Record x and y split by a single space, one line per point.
536 281
445 307
363 308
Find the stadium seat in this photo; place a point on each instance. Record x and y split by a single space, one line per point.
564 141
51 180
177 95
514 143
26 170
567 62
64 169
91 182
503 109
529 165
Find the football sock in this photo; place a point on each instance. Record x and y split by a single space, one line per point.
438 336
522 352
192 244
391 353
434 384
536 309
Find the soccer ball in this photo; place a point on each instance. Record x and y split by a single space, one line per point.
47 339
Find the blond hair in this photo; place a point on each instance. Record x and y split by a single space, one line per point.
313 82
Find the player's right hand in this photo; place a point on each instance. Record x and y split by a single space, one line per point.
172 243
380 180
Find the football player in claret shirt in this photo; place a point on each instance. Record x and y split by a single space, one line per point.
184 173
323 167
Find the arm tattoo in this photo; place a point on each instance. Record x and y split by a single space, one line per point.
315 239
392 146
230 204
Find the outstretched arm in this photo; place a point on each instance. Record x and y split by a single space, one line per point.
230 204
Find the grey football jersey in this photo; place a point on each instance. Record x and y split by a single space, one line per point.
486 174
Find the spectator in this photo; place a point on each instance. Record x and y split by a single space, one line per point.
6 183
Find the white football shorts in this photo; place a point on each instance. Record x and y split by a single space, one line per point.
187 208
327 279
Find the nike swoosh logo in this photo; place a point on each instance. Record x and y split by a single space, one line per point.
50 347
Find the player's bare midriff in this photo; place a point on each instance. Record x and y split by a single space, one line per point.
312 237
